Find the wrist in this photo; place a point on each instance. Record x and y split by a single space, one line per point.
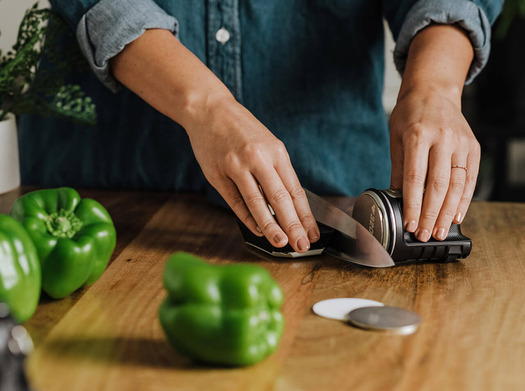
201 106
444 89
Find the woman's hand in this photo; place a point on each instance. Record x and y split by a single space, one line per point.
435 156
251 168
435 160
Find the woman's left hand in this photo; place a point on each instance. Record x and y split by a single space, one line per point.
435 160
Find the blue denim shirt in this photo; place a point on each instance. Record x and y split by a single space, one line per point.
311 71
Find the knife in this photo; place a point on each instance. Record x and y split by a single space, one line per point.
350 241
341 236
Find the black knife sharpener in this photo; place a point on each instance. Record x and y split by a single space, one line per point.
380 211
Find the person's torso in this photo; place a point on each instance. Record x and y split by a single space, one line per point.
310 70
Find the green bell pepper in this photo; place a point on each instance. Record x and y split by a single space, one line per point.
19 270
74 237
221 314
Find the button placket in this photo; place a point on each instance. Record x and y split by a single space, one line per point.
224 57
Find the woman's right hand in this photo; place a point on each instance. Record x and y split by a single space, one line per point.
239 156
251 168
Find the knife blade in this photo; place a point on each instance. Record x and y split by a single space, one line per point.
351 241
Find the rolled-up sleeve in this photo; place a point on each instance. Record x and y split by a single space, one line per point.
109 25
475 17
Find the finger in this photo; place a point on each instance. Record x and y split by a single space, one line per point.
415 163
452 198
234 199
281 202
438 180
258 208
300 201
470 185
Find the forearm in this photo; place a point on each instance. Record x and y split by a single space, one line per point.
159 69
438 61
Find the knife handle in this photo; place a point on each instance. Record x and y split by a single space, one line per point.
261 243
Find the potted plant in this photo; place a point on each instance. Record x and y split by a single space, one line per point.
32 82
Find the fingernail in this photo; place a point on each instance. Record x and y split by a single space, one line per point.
410 226
440 234
302 244
278 238
258 229
313 235
459 218
423 235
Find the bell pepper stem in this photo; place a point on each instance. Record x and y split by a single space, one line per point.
63 224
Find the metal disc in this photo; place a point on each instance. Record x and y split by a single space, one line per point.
387 318
340 307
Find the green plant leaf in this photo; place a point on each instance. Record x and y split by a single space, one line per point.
32 73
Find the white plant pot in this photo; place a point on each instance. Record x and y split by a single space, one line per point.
9 161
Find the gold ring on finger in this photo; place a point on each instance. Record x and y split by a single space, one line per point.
459 166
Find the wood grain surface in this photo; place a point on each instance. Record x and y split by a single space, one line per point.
107 336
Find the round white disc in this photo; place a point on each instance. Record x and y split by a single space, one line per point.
341 307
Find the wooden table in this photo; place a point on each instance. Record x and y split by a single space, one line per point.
107 337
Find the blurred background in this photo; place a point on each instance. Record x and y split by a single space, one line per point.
494 104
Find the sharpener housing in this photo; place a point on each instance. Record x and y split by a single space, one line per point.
380 211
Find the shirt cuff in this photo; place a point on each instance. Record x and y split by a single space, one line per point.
110 25
465 14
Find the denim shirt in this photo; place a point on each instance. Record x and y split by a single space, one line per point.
310 70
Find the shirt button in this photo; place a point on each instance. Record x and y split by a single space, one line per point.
222 35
